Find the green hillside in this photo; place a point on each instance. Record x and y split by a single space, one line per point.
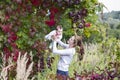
112 20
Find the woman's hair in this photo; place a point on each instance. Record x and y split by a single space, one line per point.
80 47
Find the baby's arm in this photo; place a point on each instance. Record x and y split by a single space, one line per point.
49 36
69 51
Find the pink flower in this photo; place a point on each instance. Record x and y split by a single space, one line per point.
12 37
84 12
51 22
6 28
19 1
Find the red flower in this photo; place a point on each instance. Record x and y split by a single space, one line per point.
7 16
12 37
53 10
15 57
51 22
13 45
36 2
87 24
52 16
16 54
7 52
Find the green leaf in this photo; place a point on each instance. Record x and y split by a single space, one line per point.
87 33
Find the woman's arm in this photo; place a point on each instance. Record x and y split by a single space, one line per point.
69 51
62 44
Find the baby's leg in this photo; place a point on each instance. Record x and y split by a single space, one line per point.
50 46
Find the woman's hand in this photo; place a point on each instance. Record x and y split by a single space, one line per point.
54 37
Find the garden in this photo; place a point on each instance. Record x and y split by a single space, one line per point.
25 54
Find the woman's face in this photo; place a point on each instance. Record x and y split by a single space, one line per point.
71 40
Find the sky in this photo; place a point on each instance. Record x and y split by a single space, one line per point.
112 5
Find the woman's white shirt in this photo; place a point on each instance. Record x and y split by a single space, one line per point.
66 55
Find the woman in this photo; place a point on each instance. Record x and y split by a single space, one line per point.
67 53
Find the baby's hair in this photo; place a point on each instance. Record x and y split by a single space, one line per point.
59 26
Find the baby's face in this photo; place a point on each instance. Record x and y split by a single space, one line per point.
59 32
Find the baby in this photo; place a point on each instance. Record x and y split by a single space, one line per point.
58 33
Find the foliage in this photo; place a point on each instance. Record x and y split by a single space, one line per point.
24 23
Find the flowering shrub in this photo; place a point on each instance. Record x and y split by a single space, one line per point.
25 22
